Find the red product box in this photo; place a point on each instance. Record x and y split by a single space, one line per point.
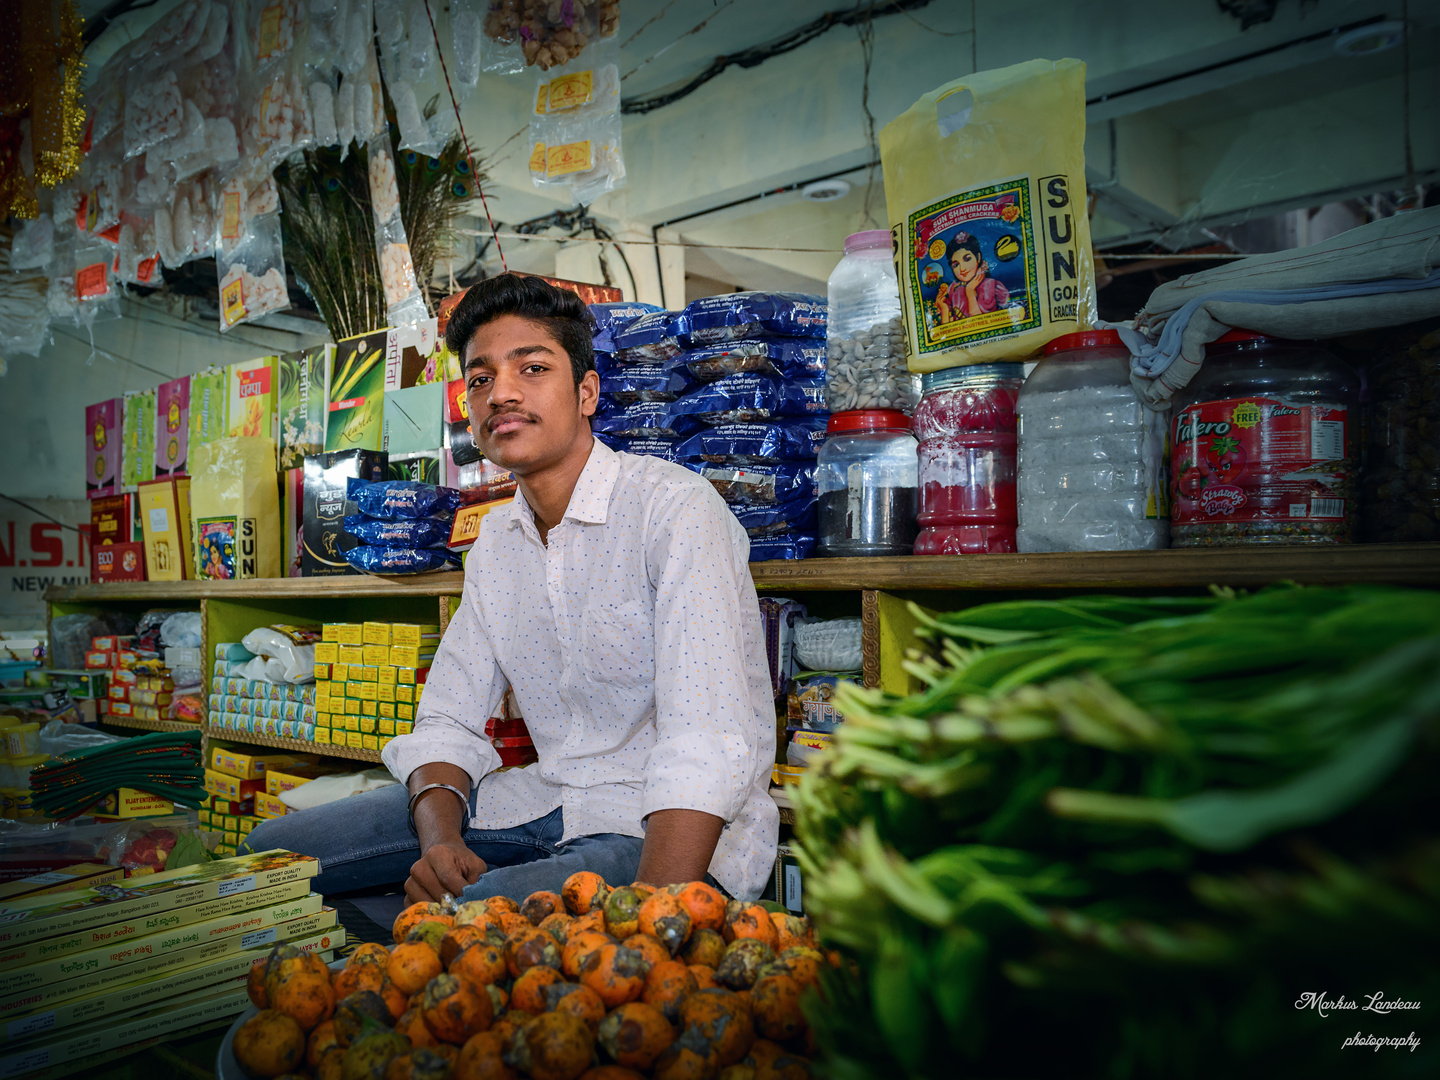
98 660
126 659
118 693
118 562
121 708
111 642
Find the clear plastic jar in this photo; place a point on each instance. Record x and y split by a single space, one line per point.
22 740
1091 455
1402 466
966 426
1264 447
865 364
866 477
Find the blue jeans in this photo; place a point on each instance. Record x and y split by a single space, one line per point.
364 843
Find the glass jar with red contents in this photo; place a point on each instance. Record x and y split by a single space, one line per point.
966 426
1265 446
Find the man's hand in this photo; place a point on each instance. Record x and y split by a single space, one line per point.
679 845
445 867
446 864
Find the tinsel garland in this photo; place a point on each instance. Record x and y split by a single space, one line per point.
41 59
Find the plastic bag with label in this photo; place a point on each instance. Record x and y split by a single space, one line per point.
407 58
34 245
97 293
466 33
583 155
403 300
516 36
252 274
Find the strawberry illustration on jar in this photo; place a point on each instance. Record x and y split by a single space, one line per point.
1225 460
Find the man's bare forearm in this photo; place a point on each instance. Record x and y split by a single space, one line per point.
439 815
679 845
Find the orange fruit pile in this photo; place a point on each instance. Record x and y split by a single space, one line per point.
595 983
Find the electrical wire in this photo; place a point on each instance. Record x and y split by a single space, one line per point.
40 513
688 33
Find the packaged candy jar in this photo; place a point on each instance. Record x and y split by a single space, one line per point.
966 426
1091 455
865 341
1265 446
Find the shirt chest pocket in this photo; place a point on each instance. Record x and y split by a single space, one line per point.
619 645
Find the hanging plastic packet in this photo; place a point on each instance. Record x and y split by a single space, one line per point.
420 533
154 110
985 190
612 317
762 484
788 440
407 61
584 155
749 398
252 274
34 245
357 38
403 301
585 88
402 500
737 316
789 358
766 549
644 382
465 34
326 21
650 339
97 293
395 560
645 418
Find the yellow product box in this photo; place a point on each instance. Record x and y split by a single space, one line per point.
369 691
384 741
343 633
376 633
386 709
225 786
165 516
405 693
386 727
232 837
411 656
375 655
132 803
385 692
404 712
369 742
204 816
351 654
269 806
79 876
352 688
326 704
227 822
321 737
251 764
387 673
366 673
322 672
353 738
403 727
352 706
278 782
369 708
367 725
224 851
339 673
326 652
248 822
408 676
414 635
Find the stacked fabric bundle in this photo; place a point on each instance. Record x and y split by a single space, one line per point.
163 764
402 526
732 387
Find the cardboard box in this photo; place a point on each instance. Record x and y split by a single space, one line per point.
248 763
411 354
327 651
230 788
209 414
465 529
304 401
375 655
458 441
278 782
137 452
172 427
78 683
343 633
355 419
252 397
325 540
414 420
102 448
422 466
112 520
375 633
414 634
132 803
292 520
407 656
117 562
79 876
168 555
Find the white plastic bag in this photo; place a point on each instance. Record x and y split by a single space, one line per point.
293 646
252 275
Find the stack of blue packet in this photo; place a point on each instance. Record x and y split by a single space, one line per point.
402 526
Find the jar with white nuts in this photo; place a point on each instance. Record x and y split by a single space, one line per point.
865 342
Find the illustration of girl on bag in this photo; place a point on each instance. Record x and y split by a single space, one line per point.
975 291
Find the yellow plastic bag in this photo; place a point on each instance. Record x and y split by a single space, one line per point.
985 188
235 508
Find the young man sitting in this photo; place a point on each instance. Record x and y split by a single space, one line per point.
614 598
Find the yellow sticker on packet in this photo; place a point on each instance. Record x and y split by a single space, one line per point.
575 157
571 91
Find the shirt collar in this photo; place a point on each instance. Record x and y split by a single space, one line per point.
590 501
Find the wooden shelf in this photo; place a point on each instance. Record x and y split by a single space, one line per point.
1396 564
299 746
150 725
447 583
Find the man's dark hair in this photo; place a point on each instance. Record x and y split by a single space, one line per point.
561 312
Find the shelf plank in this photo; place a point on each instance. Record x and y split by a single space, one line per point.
299 746
1398 564
150 725
446 583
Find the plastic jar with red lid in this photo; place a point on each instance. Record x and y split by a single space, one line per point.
966 426
1264 446
865 477
1092 469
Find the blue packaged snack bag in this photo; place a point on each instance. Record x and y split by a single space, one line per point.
794 516
733 316
762 484
644 382
395 560
651 338
748 397
604 360
612 317
644 418
796 439
647 446
790 358
402 500
421 533
794 546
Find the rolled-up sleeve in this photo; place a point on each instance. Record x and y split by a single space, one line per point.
708 734
463 691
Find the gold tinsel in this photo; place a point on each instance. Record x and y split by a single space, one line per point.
41 58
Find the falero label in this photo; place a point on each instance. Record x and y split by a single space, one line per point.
1260 459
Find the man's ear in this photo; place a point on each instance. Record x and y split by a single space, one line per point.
589 391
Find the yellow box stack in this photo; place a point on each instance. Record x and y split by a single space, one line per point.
368 678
